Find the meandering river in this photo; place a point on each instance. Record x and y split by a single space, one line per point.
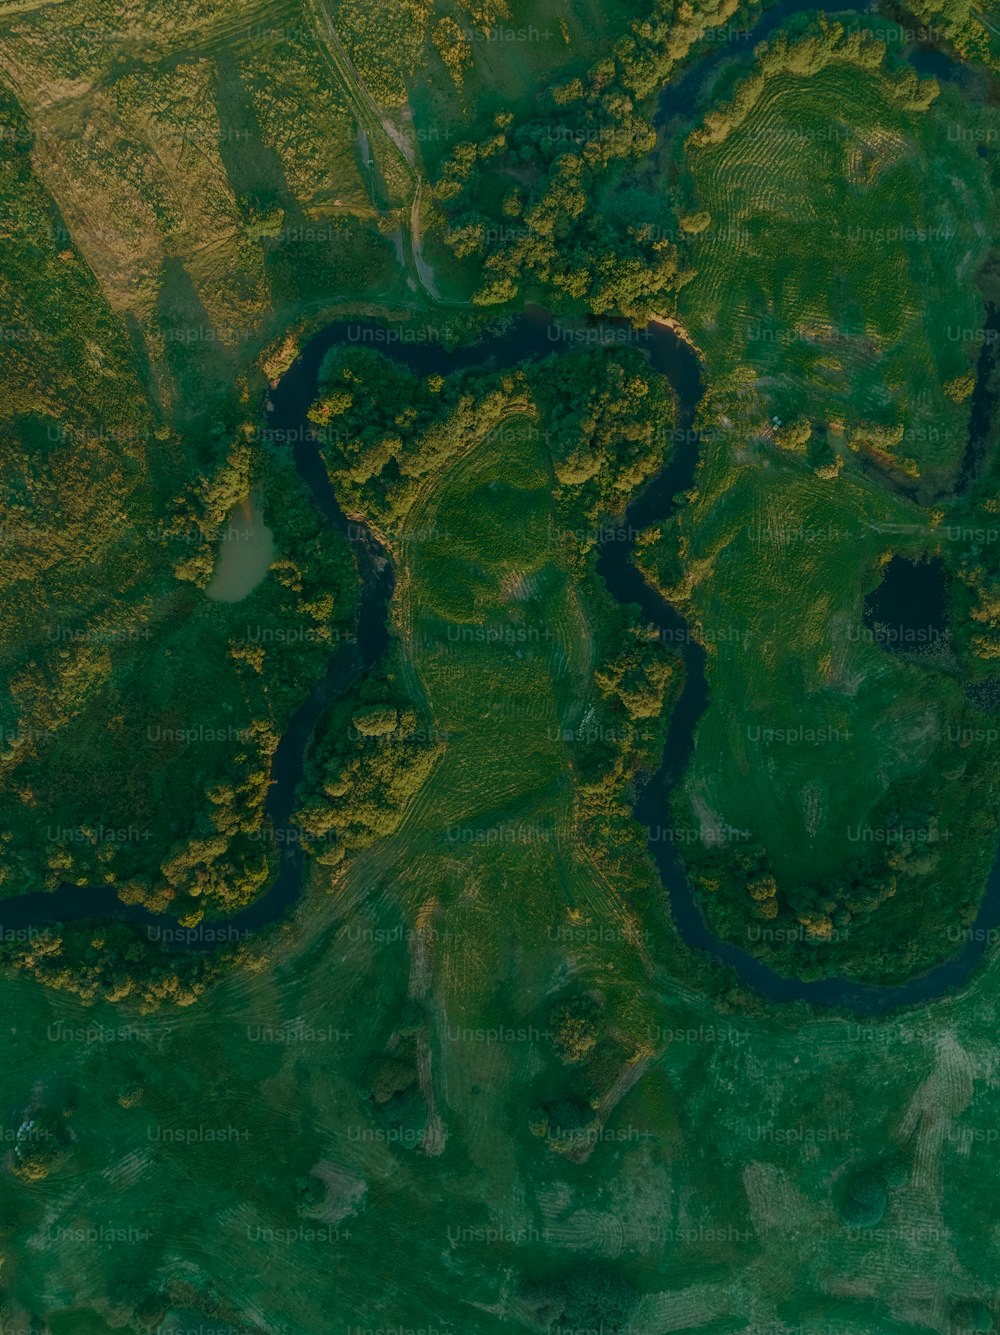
530 336
533 335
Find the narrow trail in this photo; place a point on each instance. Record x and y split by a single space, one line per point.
378 128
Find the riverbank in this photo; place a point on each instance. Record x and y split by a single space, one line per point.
532 336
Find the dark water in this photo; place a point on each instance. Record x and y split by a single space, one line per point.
930 63
732 41
984 404
720 46
908 612
423 348
652 806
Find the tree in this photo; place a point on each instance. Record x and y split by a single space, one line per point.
694 223
961 387
573 1028
794 436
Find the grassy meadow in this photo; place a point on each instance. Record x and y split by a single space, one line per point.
503 652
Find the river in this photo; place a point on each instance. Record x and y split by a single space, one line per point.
529 336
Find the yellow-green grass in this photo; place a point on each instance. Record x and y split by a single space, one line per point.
495 640
719 1198
784 562
139 297
835 287
159 135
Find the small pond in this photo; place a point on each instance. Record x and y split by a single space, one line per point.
908 612
245 554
